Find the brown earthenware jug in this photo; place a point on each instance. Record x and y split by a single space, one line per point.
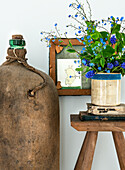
29 114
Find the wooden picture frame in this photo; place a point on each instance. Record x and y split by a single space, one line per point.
53 51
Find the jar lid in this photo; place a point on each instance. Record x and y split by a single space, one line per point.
17 43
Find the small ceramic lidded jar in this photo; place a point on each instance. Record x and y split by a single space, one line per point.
29 114
106 89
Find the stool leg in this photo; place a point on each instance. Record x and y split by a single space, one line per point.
120 147
85 158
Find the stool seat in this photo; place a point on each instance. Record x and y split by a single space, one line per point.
85 158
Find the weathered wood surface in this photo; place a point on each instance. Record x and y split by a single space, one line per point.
76 92
84 161
96 125
65 41
85 158
120 147
106 110
52 62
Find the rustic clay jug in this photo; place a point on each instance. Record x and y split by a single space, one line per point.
29 116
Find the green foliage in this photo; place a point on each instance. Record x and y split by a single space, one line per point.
104 34
102 62
95 60
123 38
104 48
71 50
108 52
115 28
70 44
95 36
118 36
79 69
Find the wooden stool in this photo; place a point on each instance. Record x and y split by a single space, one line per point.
86 154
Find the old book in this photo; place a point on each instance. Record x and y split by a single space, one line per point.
106 110
84 116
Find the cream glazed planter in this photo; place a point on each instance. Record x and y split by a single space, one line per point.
106 89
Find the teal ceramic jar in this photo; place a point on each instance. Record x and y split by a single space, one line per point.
106 89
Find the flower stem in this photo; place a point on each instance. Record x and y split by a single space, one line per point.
90 11
115 68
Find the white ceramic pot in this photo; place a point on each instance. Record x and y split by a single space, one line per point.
106 89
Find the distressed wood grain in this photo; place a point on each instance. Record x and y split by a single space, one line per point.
76 123
120 147
85 158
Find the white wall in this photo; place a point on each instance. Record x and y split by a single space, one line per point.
30 17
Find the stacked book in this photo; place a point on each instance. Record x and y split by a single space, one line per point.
103 113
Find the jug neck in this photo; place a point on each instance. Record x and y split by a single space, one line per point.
21 53
16 48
